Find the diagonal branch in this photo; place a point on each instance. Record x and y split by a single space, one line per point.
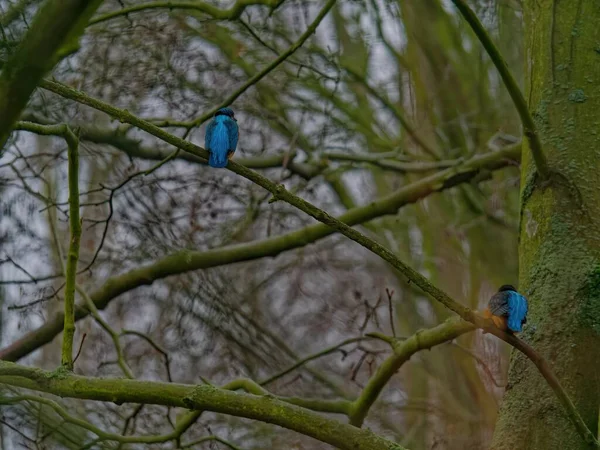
56 22
265 408
529 128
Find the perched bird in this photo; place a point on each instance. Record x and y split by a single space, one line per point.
221 137
508 309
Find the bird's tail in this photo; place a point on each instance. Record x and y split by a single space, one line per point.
219 147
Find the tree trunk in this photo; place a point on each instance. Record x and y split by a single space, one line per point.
559 245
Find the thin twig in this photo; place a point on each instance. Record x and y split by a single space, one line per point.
221 14
260 75
303 361
156 347
80 347
111 332
390 294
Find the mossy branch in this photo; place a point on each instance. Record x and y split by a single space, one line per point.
544 368
403 350
56 22
265 408
301 362
73 254
529 128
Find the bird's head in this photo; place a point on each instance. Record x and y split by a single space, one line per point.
226 112
507 287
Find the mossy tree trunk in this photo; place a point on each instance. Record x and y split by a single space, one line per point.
559 235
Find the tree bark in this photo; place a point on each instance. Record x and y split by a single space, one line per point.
559 245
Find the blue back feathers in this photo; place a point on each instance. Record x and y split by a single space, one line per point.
517 310
508 302
221 137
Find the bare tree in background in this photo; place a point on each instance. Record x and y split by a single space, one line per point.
373 197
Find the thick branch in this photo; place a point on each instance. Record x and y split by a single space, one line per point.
529 128
553 382
209 398
56 22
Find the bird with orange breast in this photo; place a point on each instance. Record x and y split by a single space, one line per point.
507 309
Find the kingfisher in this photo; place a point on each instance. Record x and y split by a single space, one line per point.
221 137
508 309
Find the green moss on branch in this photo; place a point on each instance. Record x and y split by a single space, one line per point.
73 254
56 22
265 408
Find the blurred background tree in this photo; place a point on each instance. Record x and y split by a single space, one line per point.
382 95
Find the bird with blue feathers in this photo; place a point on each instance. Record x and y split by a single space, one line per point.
221 137
507 309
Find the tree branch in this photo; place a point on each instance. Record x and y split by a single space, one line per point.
135 149
403 350
391 164
301 362
56 23
260 75
231 445
220 14
265 408
185 261
529 128
73 254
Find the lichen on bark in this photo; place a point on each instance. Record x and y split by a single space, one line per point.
559 247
